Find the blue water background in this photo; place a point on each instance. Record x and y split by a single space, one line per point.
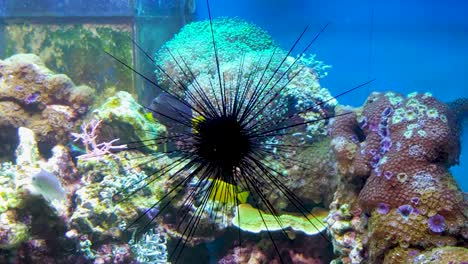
416 45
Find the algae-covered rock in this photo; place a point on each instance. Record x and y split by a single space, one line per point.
22 203
116 192
12 231
33 96
77 50
124 118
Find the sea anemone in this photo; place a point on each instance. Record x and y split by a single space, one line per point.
383 208
436 223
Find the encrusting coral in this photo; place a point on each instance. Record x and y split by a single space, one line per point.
403 148
441 255
254 220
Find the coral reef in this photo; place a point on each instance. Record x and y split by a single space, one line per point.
97 213
442 255
235 37
311 172
151 248
402 148
33 96
89 221
26 212
346 224
302 250
123 118
245 254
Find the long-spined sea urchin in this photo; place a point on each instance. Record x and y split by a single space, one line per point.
240 123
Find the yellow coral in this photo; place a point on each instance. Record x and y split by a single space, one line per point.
255 220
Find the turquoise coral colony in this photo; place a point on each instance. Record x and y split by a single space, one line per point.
89 178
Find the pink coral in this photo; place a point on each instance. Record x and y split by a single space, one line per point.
94 150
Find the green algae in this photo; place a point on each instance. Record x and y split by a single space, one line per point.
78 51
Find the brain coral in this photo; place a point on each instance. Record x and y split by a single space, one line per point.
404 146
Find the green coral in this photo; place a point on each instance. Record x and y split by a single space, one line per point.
8 196
192 47
16 233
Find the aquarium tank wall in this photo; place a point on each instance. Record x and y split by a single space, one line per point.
190 131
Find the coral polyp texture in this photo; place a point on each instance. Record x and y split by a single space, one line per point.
402 147
233 37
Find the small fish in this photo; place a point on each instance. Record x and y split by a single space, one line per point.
48 185
170 111
224 192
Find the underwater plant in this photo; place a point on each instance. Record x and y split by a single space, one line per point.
231 129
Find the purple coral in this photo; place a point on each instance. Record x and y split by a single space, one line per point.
355 139
383 131
383 208
32 98
415 200
375 161
374 126
377 171
405 210
363 122
437 223
387 111
385 145
388 175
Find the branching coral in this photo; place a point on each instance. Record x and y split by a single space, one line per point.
151 247
88 137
